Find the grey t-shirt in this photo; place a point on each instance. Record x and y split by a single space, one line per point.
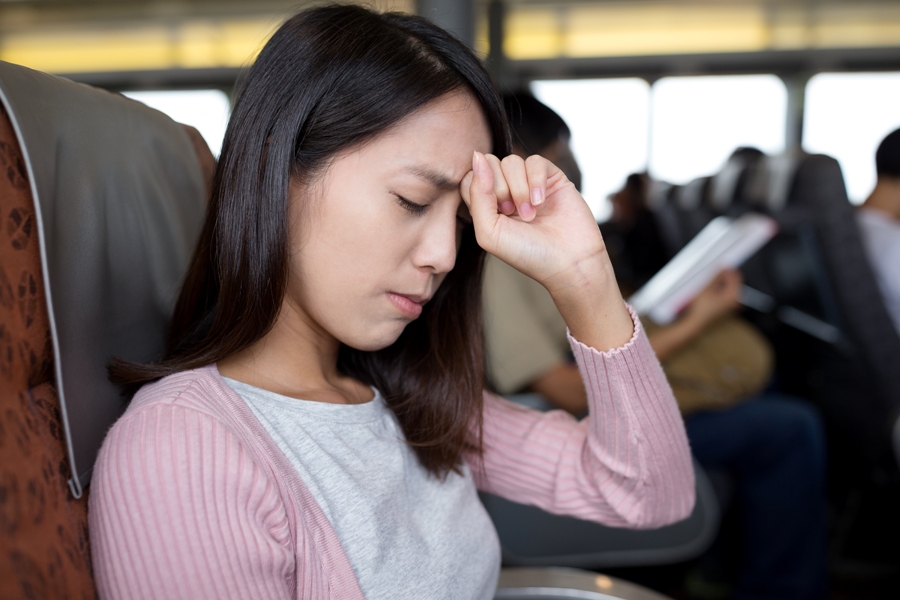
408 535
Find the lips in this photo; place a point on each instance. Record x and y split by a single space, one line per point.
409 305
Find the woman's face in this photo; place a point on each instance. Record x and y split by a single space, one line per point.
373 237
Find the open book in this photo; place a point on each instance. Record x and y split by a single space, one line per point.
724 243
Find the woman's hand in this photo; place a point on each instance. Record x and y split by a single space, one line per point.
720 298
528 214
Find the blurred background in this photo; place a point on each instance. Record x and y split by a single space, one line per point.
669 86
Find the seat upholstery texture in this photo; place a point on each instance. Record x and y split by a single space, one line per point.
44 549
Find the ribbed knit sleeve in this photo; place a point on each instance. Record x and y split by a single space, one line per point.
179 510
628 464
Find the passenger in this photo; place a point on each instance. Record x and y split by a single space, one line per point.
879 223
318 426
632 232
718 366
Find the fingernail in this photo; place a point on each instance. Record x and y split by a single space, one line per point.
526 211
537 196
475 162
507 207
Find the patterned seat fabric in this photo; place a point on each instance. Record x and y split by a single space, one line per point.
44 551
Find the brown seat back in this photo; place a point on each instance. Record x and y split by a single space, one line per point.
117 188
43 530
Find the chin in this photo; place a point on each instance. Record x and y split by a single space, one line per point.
378 338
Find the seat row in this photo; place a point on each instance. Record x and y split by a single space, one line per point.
812 287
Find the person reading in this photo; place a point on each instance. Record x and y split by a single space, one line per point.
319 427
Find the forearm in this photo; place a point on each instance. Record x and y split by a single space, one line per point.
668 340
635 424
627 465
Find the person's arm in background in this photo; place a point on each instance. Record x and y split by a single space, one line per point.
720 298
562 386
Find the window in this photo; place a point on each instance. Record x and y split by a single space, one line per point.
207 110
698 121
846 116
608 119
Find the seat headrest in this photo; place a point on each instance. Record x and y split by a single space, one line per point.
690 196
771 184
723 185
658 194
119 200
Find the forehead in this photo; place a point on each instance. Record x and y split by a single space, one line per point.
436 142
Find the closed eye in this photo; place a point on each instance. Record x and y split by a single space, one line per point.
416 209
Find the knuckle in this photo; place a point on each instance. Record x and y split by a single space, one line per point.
535 160
511 160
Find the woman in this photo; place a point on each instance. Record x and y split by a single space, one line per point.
320 426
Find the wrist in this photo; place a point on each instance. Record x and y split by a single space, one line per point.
696 321
592 307
584 277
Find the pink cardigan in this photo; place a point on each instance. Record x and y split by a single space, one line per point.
191 498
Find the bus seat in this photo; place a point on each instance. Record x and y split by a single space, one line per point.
896 440
43 531
772 183
723 185
819 194
660 201
694 212
831 289
730 189
75 161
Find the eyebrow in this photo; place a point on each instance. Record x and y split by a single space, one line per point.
438 180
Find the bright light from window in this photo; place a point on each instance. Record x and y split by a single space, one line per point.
608 120
846 116
699 121
207 110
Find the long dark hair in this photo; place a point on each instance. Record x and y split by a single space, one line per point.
329 79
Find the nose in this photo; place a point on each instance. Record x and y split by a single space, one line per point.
437 244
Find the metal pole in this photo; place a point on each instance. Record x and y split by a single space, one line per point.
456 16
496 60
796 98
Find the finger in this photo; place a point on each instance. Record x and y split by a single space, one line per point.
730 282
513 168
716 283
482 200
538 169
464 186
501 189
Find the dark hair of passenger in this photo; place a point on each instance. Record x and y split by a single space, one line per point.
329 79
887 157
534 124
